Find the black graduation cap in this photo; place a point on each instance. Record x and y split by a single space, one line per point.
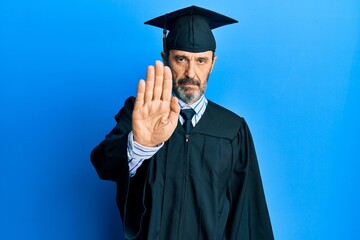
190 28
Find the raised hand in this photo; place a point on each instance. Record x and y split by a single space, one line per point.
156 112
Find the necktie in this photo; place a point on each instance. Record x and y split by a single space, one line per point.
187 114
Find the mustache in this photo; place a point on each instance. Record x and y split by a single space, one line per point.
189 81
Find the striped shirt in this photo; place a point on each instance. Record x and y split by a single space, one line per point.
137 153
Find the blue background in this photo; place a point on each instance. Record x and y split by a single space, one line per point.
291 68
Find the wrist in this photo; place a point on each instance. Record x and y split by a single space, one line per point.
143 142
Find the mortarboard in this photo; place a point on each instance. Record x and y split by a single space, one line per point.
190 28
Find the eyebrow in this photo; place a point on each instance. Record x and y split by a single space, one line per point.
176 56
180 56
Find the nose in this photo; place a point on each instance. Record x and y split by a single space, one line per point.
190 71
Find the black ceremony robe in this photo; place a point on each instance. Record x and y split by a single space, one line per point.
205 185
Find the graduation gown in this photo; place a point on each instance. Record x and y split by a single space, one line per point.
205 185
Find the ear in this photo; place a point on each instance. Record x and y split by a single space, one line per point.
163 56
213 63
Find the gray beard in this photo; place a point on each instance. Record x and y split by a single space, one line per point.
193 96
188 98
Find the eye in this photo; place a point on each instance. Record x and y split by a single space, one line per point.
180 59
202 60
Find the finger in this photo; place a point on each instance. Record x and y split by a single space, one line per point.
149 84
167 85
174 110
140 93
159 76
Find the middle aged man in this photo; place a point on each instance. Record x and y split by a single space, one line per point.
185 167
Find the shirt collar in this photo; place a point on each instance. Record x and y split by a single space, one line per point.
196 106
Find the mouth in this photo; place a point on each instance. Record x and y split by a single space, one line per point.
188 82
189 87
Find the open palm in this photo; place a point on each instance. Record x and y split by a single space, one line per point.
156 112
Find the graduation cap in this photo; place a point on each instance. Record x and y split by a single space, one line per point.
190 28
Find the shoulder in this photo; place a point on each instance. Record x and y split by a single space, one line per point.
221 122
220 109
127 109
224 115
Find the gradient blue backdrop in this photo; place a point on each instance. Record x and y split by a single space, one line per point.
291 68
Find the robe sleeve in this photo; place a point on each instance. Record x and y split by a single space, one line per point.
110 156
110 160
249 217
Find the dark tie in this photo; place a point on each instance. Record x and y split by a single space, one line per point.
187 114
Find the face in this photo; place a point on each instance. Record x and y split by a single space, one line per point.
190 73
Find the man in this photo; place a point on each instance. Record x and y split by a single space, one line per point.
185 167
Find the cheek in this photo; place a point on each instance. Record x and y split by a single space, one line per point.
203 75
177 73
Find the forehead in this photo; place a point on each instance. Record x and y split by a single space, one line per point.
207 54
